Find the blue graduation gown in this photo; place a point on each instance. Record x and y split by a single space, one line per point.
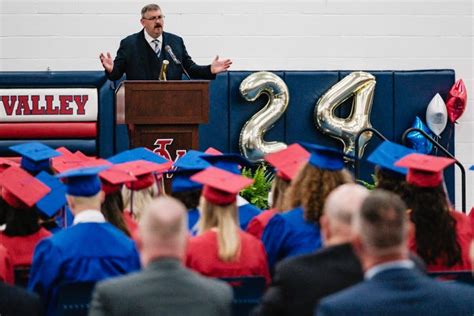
288 235
83 252
193 217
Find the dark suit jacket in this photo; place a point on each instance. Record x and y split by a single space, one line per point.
138 61
165 287
300 282
401 291
17 301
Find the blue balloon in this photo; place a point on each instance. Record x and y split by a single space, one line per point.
417 141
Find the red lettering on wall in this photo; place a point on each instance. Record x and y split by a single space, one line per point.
50 110
81 103
9 103
35 109
23 108
162 149
65 109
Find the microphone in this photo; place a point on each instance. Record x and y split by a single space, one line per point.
176 60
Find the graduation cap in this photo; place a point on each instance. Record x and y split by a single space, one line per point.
220 186
181 181
387 153
288 161
424 170
144 171
324 158
140 153
35 155
82 182
228 162
7 163
113 178
192 160
52 202
212 151
75 161
472 167
20 189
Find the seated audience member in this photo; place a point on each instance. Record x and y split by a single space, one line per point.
112 207
17 301
220 248
392 286
233 163
296 231
164 286
388 176
90 250
442 235
287 163
300 282
21 191
186 190
6 267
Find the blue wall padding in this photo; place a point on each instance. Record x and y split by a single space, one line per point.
86 146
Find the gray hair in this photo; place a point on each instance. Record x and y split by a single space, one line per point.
382 222
150 7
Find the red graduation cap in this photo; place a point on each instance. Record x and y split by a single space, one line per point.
7 163
70 161
144 171
113 178
220 186
424 170
288 161
212 151
20 189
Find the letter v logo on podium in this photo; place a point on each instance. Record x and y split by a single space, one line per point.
162 150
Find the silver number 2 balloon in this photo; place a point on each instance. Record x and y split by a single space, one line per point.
251 142
362 86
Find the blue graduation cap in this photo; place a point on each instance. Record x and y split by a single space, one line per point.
35 156
181 181
55 199
228 162
140 153
192 160
325 158
387 153
472 167
82 182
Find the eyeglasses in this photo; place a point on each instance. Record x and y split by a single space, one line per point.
155 18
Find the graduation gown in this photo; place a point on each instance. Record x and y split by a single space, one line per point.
193 217
83 252
289 234
6 267
257 225
202 256
464 234
21 248
131 224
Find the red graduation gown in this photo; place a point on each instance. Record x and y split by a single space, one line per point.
21 248
464 236
131 224
202 256
6 267
257 225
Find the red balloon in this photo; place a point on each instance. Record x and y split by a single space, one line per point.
457 100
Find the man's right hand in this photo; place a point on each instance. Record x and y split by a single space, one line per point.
107 62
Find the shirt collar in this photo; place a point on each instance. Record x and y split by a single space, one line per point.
398 264
149 39
89 216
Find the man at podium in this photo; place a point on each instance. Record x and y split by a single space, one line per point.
141 55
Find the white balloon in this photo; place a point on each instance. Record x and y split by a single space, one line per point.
437 115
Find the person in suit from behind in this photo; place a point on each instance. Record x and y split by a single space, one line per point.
392 286
300 282
165 286
15 300
140 55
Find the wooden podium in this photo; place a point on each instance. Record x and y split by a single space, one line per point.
163 113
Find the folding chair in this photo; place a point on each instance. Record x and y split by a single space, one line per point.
22 275
247 293
74 298
459 276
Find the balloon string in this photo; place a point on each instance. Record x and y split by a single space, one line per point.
451 129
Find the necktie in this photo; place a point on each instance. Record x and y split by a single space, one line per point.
157 47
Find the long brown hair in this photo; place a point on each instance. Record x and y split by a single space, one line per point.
112 209
224 218
435 233
310 188
279 187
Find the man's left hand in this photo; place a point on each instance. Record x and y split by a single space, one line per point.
220 65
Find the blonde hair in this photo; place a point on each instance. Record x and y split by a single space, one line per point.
310 188
224 218
141 198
